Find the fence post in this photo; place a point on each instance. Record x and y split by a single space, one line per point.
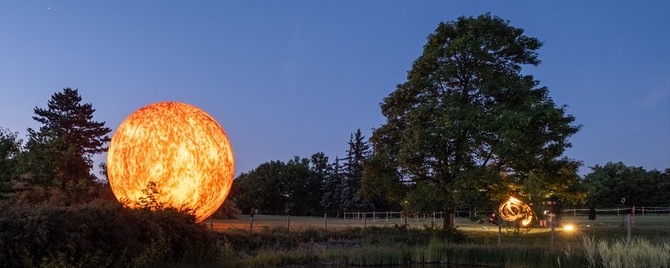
365 220
251 224
325 222
629 228
387 215
288 223
499 231
574 212
551 223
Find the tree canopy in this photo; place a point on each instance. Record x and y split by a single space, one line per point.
610 183
60 152
278 187
10 147
468 119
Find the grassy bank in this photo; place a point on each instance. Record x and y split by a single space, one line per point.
395 250
387 246
592 244
107 235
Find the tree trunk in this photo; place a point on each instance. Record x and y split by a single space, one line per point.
449 219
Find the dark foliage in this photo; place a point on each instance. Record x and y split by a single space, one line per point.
278 187
10 147
469 121
610 183
60 152
100 234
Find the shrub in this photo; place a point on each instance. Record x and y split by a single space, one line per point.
101 234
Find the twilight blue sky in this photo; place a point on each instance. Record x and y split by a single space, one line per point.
289 78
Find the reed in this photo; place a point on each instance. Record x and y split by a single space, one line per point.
378 255
637 253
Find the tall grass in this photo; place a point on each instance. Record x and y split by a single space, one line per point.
279 258
378 255
443 252
636 253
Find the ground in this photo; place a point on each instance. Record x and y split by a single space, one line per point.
653 227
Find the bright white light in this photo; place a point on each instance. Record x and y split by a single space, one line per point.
569 228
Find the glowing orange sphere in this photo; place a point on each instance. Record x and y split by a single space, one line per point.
171 154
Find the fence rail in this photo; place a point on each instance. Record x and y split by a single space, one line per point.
618 211
399 215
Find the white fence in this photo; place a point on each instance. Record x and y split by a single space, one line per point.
397 215
618 211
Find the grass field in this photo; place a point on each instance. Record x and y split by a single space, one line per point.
655 228
278 241
648 226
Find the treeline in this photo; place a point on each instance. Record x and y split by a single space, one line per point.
607 185
313 186
308 186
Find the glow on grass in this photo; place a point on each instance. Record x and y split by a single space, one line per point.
569 227
171 154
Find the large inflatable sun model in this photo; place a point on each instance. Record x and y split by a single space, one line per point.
171 154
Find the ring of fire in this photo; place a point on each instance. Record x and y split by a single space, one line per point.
173 155
514 209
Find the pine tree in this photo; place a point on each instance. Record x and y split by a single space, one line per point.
357 154
332 189
67 140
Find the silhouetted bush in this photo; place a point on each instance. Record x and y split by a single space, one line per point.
100 234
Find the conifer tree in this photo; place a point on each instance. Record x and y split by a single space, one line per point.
332 189
61 151
357 154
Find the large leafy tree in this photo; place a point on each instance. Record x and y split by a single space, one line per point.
321 171
610 183
381 183
61 151
10 148
470 122
260 189
277 187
